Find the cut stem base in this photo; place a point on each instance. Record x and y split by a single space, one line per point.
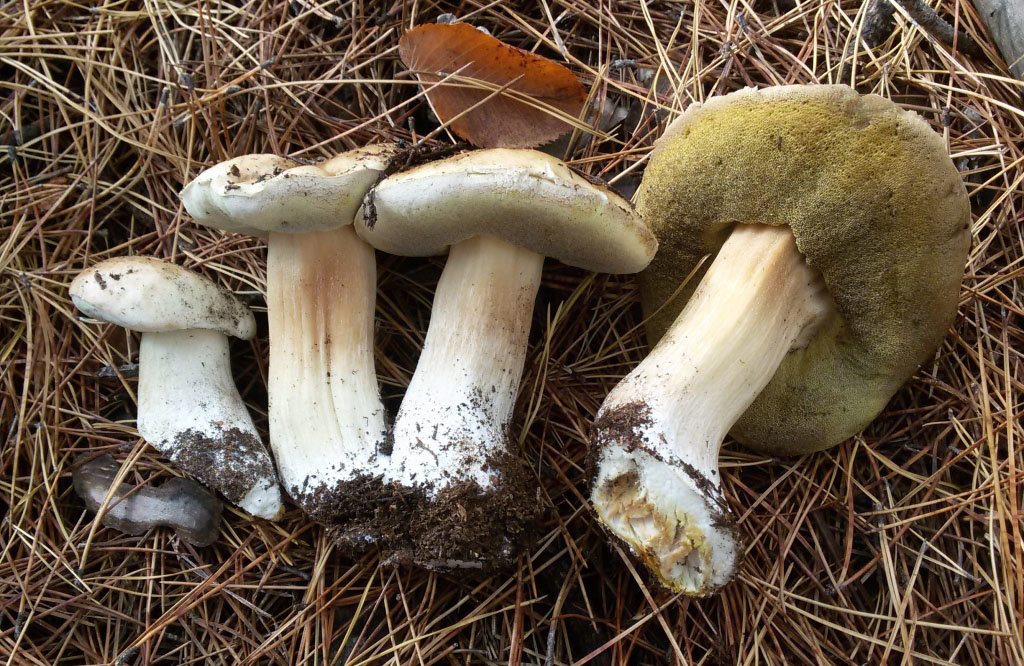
659 432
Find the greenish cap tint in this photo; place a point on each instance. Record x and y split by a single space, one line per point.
876 207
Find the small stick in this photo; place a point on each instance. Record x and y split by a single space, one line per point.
878 24
1005 20
939 28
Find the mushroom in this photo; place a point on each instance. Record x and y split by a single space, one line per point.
179 503
500 212
326 417
189 407
838 229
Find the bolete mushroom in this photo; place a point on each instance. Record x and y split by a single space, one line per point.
182 504
500 212
189 407
326 418
838 228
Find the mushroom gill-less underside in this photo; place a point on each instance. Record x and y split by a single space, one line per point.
837 229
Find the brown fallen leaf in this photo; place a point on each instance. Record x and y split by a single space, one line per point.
436 50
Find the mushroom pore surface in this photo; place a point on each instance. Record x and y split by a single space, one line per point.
876 207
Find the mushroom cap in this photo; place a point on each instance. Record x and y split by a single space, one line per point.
525 197
876 207
152 296
256 194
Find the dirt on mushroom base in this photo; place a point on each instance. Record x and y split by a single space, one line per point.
466 527
462 528
622 427
361 513
228 463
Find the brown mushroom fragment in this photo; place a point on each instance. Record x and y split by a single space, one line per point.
501 212
182 504
448 58
839 230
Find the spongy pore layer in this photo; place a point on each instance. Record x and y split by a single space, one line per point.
876 206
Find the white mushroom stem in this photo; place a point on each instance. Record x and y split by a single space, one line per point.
190 409
659 431
456 411
326 417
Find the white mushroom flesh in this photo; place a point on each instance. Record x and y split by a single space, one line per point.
659 431
456 410
326 418
190 409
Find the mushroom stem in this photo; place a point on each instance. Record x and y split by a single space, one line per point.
659 431
326 417
455 413
190 409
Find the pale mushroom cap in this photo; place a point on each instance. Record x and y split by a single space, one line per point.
256 194
525 197
876 206
148 295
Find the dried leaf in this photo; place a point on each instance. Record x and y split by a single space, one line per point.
436 50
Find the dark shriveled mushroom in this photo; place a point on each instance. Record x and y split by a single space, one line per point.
182 504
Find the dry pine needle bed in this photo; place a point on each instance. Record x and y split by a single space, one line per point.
902 545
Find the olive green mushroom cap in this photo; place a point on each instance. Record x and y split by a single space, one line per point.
876 207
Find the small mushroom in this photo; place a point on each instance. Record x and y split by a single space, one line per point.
189 407
179 503
839 230
326 417
501 212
